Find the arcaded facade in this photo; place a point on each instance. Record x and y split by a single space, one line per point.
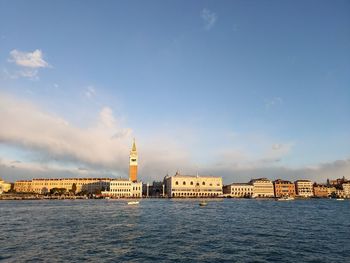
193 186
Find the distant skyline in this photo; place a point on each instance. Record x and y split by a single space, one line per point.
238 89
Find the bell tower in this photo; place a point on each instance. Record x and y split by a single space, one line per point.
133 163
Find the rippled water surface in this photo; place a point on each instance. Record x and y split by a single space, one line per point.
228 230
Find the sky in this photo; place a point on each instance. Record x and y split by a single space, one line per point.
238 89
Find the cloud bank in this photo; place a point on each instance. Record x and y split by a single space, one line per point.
103 144
60 149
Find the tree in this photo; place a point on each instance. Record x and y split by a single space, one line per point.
74 188
58 191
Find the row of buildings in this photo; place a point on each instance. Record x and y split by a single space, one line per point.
106 186
264 187
185 186
211 186
180 186
121 187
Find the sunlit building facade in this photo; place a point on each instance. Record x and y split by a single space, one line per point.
304 188
123 188
321 191
4 186
193 186
283 188
23 186
346 188
262 187
44 185
238 190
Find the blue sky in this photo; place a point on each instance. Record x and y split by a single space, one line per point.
202 85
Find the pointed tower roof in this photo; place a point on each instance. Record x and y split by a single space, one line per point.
134 146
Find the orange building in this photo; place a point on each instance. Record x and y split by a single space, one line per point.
284 188
133 163
320 191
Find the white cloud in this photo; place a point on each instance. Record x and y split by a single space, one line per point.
28 73
28 64
8 75
269 103
28 59
90 92
209 18
32 74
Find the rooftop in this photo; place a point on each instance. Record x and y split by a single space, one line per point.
283 181
194 176
245 184
303 181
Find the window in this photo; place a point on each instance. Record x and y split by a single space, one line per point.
184 183
203 183
191 183
177 183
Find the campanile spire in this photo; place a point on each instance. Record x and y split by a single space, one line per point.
133 157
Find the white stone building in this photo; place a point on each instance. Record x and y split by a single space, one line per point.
4 186
304 188
238 190
262 187
193 186
124 188
346 189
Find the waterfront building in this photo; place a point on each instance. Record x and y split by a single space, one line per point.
4 186
262 187
23 186
283 188
44 185
133 163
331 190
321 191
304 188
123 188
340 193
339 181
238 190
193 186
346 188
